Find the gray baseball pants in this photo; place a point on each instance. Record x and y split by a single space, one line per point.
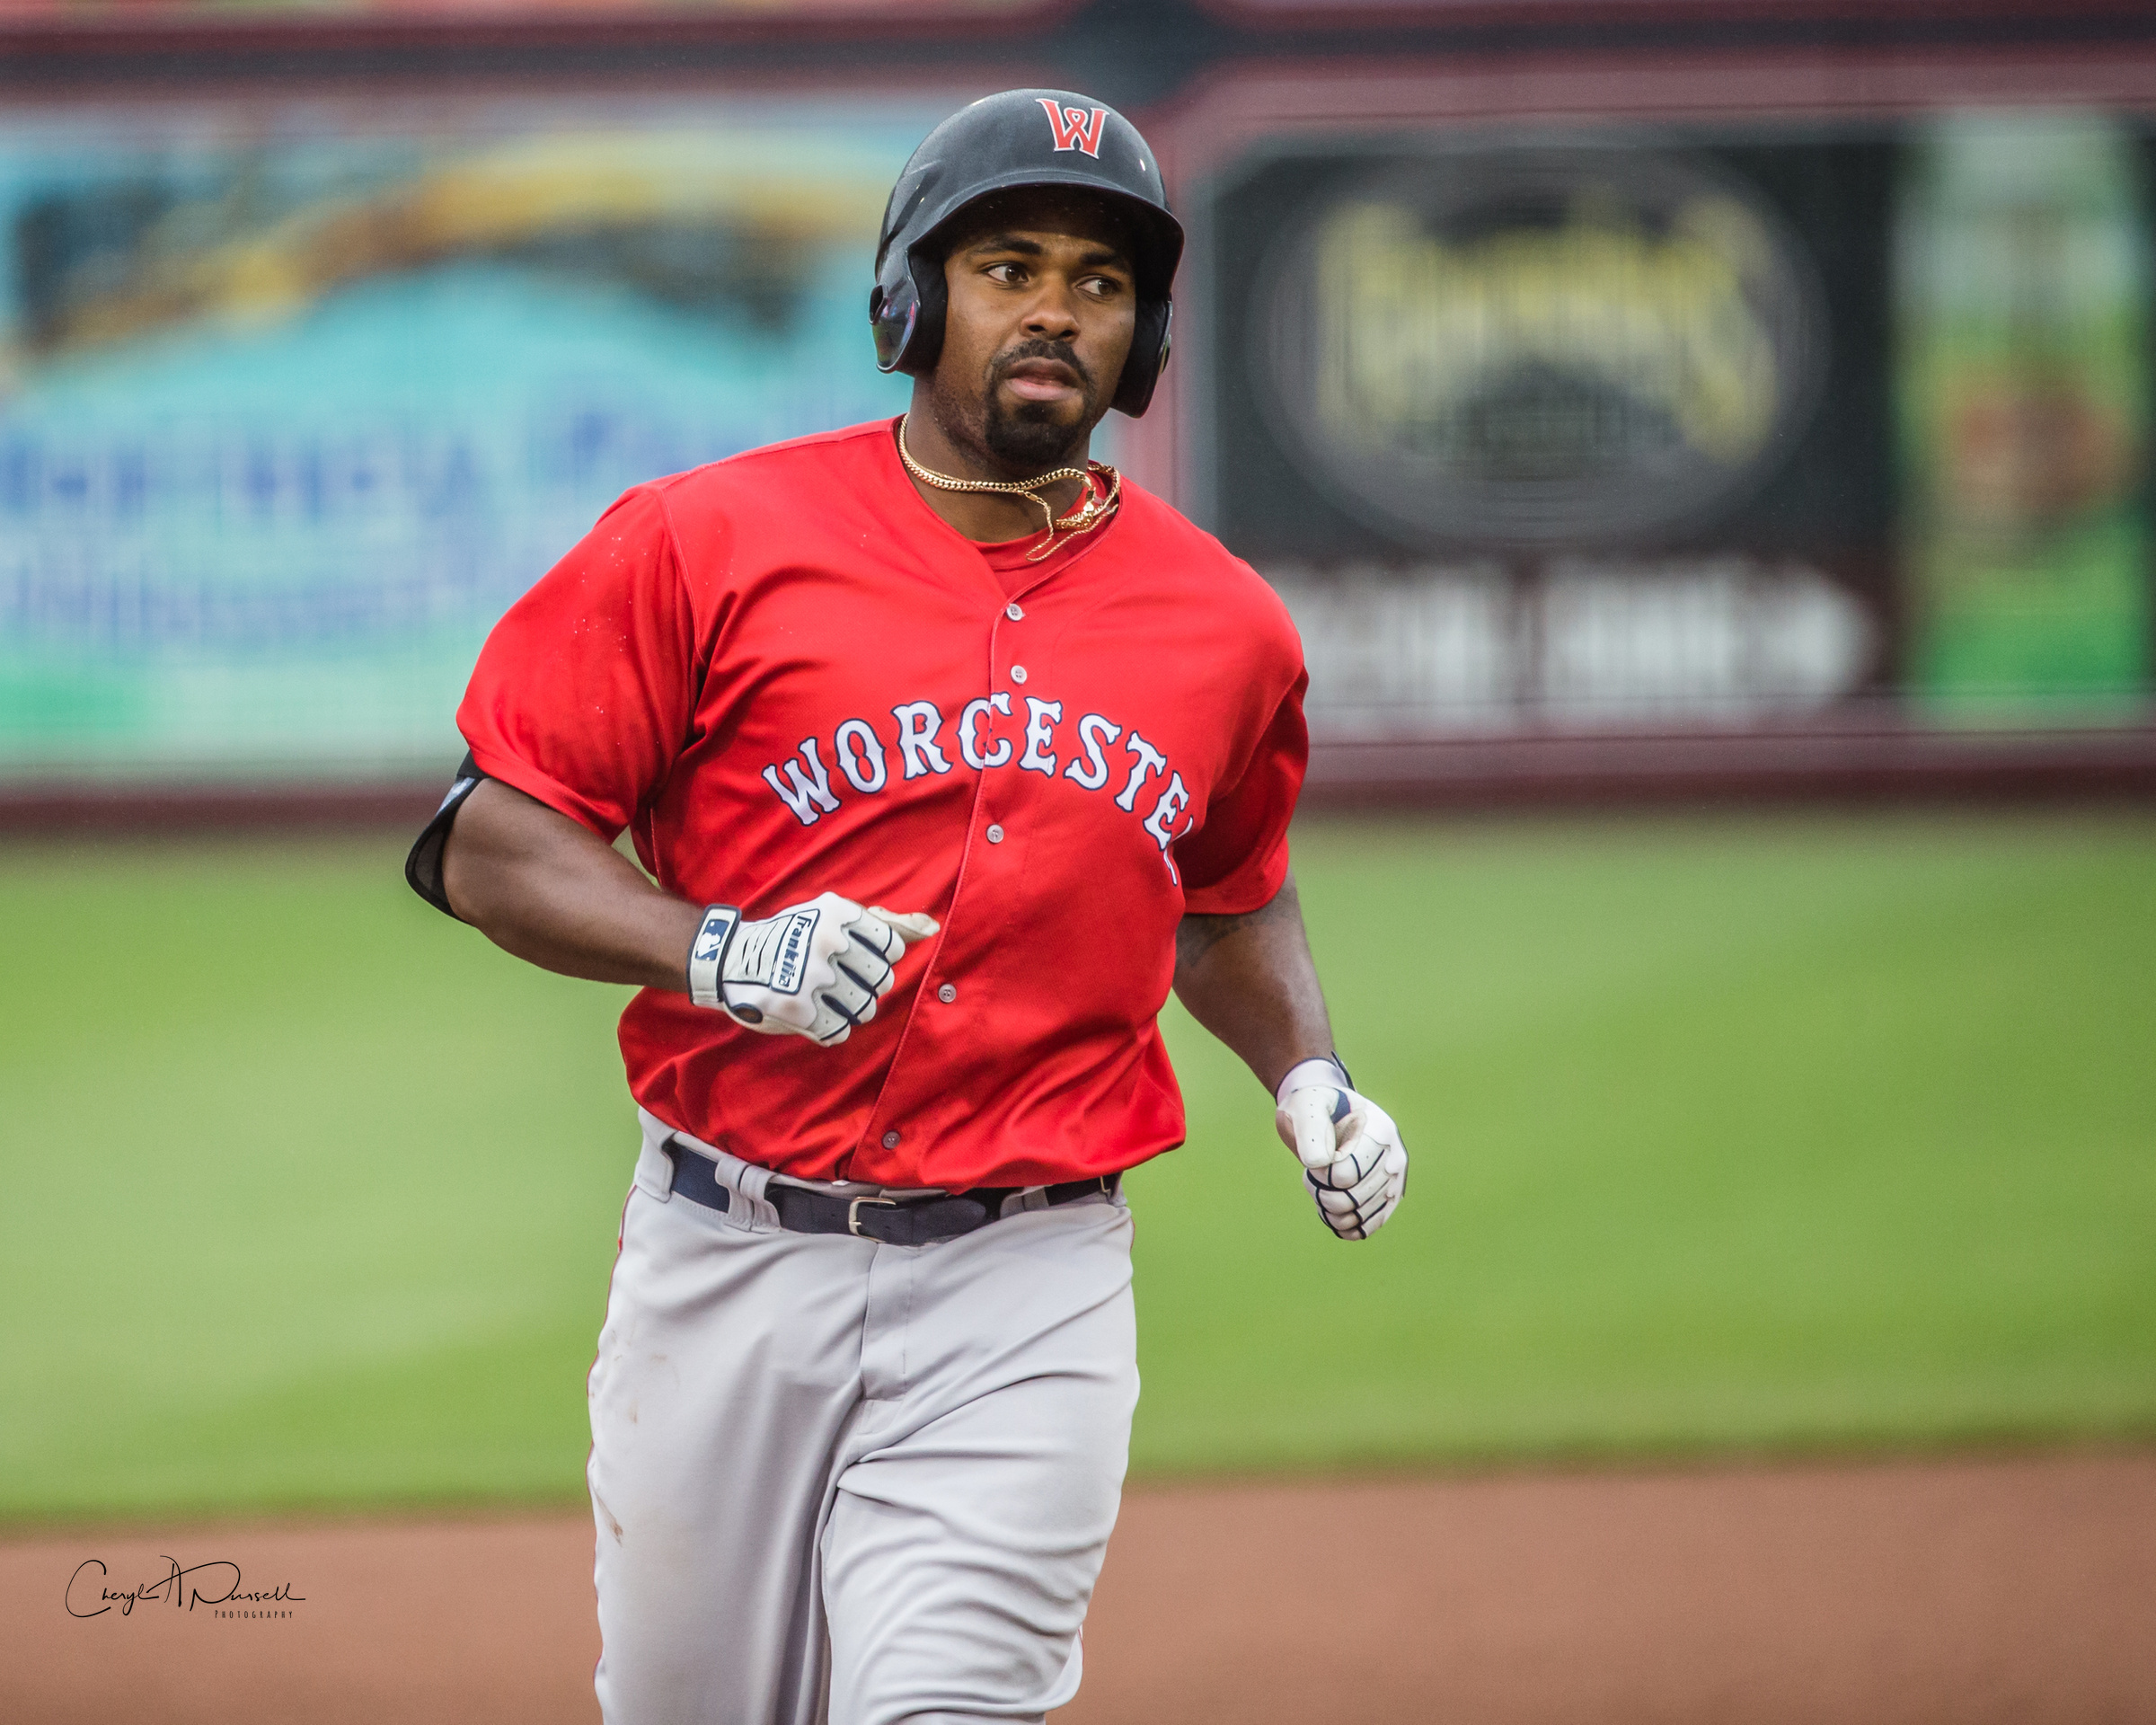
840 1482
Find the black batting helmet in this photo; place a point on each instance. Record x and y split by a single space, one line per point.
1021 137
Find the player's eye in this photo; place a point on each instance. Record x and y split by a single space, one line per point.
1006 273
1101 287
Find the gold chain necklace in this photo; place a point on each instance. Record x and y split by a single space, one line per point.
1089 513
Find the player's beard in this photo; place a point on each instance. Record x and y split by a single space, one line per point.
1032 436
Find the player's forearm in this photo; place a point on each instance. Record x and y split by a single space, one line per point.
1250 981
542 887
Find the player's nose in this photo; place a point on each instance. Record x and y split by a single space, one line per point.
1053 313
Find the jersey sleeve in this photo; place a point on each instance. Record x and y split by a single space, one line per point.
1237 861
582 694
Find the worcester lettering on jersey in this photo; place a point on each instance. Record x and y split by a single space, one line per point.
806 787
784 674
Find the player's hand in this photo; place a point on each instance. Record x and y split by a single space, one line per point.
815 969
1353 1160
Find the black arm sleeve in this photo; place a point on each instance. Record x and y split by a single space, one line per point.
423 866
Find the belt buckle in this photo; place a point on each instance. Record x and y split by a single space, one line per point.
853 1212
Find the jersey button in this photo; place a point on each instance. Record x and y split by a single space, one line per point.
947 994
1014 611
890 1139
1018 673
995 835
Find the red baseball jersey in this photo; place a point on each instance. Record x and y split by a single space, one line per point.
786 674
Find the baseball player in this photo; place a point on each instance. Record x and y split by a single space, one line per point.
948 753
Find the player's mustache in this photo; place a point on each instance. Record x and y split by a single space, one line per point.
1041 347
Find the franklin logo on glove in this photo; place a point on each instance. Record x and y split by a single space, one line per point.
815 969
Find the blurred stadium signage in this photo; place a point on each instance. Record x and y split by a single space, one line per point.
2022 297
297 399
1654 427
1464 648
1540 345
390 13
1622 429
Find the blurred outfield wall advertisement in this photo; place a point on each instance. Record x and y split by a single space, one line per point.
2022 300
1627 427
297 399
392 12
1616 428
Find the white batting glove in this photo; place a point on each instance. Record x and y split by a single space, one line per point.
815 969
1353 1160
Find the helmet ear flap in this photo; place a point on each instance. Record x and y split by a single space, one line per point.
905 316
931 295
892 317
1148 358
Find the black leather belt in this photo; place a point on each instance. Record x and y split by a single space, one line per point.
894 1221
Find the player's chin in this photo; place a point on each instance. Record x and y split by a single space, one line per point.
1035 439
1060 417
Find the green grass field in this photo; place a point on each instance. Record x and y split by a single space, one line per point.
1792 1133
